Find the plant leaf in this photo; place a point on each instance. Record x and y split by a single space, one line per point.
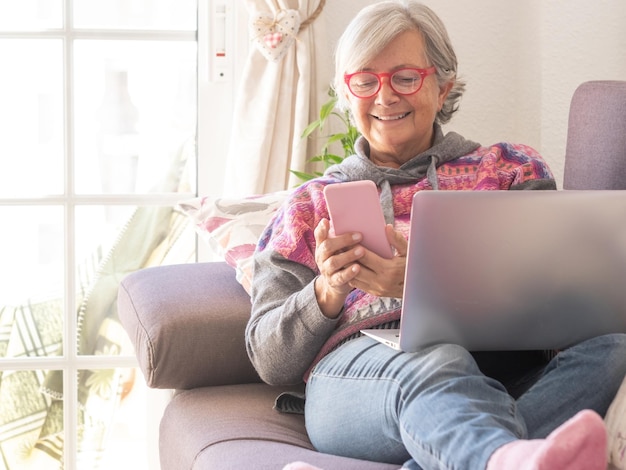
346 138
327 109
303 176
310 129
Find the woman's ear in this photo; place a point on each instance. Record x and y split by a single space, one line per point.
444 90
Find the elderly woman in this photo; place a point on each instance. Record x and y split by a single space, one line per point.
441 407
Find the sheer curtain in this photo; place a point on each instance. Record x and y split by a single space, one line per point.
285 81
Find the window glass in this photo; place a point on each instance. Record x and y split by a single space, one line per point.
135 14
97 143
31 273
132 422
114 241
30 14
31 117
31 419
135 108
112 419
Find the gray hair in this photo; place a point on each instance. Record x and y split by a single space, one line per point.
376 26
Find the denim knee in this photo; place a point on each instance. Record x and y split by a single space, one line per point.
609 350
601 362
613 354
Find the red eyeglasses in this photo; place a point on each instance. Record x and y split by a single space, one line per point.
405 81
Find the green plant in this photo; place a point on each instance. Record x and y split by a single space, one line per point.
346 138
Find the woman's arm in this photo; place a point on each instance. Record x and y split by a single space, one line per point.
287 328
302 276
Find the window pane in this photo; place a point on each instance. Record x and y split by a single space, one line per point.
115 411
135 14
113 418
120 240
30 14
135 115
31 273
31 419
31 117
107 255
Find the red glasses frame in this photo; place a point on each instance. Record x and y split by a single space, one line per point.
422 72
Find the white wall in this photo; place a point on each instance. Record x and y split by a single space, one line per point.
580 41
522 61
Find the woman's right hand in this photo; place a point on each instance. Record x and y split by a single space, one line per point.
337 259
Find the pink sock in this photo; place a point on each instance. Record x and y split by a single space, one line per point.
300 466
578 444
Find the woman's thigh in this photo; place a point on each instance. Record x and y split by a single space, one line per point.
350 409
367 401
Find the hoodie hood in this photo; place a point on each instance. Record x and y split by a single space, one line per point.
360 167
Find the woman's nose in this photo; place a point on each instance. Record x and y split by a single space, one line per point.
386 95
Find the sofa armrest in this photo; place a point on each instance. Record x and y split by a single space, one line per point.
187 323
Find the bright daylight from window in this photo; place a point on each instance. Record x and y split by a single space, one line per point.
98 106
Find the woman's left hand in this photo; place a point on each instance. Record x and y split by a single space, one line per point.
380 276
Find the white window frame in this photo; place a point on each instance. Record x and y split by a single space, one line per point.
70 361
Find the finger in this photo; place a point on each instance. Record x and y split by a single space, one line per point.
345 262
346 275
322 236
396 240
336 282
321 231
391 285
333 245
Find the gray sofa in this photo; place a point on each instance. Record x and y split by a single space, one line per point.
187 326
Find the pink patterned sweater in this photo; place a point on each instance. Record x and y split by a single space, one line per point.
287 334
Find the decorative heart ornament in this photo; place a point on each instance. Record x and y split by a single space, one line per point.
273 35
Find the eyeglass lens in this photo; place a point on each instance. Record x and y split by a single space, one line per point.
365 84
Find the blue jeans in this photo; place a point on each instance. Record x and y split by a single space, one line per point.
436 409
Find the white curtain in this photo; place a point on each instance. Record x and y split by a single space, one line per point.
281 91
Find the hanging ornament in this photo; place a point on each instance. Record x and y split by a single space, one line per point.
273 34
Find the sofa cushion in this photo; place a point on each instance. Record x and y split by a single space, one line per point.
269 455
236 427
186 323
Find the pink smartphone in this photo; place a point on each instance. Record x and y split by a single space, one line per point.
355 207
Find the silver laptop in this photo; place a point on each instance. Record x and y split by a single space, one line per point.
512 270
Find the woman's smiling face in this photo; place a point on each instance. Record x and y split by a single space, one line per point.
399 127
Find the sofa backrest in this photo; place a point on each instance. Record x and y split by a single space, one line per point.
595 156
